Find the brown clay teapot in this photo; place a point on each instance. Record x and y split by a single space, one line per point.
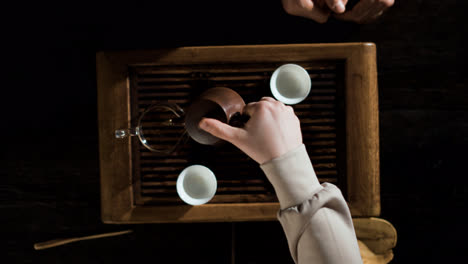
220 103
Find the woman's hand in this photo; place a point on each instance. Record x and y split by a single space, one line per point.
317 10
366 11
272 130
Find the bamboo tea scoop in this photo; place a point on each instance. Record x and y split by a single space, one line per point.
63 241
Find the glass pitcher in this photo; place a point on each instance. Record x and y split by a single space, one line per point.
160 128
163 126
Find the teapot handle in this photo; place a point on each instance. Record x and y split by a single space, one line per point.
238 120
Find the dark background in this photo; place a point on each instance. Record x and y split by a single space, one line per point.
49 137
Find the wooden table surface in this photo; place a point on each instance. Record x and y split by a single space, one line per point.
49 162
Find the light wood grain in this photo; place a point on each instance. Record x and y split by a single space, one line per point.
369 257
377 238
362 132
64 241
378 234
201 213
115 155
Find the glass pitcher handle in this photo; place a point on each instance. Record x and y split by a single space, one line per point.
129 132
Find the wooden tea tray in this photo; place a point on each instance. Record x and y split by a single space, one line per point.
339 121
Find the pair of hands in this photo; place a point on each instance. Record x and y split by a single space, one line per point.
365 11
272 130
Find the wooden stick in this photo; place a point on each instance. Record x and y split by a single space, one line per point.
63 241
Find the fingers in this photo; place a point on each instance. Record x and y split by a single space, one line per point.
221 130
289 108
250 109
379 10
314 12
355 13
269 99
337 6
366 11
265 102
374 17
307 9
370 15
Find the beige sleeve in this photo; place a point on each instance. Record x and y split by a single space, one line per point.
315 218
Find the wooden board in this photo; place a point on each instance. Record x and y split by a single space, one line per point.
240 179
121 186
378 234
376 238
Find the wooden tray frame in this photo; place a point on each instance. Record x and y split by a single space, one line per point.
114 110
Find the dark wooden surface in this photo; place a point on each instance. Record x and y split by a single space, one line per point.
49 152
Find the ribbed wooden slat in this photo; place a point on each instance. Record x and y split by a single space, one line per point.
156 199
163 161
322 143
318 105
320 98
219 190
152 176
150 88
326 173
165 79
323 83
322 91
307 136
314 113
221 183
322 157
164 94
313 128
239 178
146 103
322 68
322 150
239 78
318 166
241 189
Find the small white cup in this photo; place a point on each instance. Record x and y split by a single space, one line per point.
290 84
196 185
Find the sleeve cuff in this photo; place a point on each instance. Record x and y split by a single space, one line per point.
292 176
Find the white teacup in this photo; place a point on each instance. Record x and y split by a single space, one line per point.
196 185
290 84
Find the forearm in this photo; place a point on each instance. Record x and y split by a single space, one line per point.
315 217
